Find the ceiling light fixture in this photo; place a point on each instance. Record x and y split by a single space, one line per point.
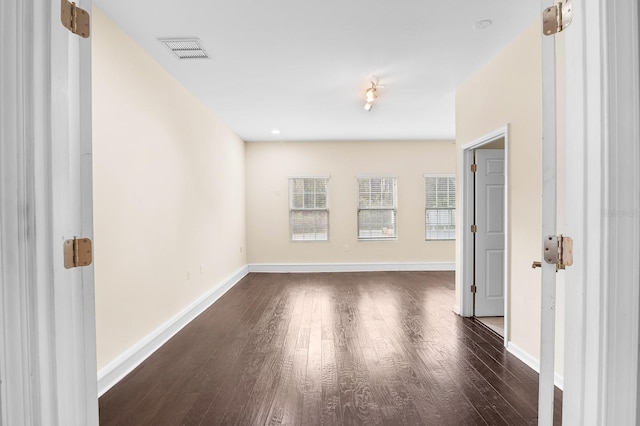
275 132
371 96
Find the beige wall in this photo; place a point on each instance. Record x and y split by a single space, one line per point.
508 90
168 193
269 165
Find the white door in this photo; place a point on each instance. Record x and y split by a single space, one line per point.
489 238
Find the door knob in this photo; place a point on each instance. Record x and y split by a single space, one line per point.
535 265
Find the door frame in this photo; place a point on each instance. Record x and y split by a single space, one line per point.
466 213
47 326
602 211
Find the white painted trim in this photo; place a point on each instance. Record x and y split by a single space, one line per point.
532 362
621 271
489 137
66 65
47 371
377 175
582 221
122 365
18 390
602 164
548 215
350 267
82 73
328 177
446 175
465 302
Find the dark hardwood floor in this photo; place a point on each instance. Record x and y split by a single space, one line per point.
379 348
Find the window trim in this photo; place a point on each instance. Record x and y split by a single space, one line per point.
394 208
291 209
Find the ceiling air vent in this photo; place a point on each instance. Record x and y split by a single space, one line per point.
185 48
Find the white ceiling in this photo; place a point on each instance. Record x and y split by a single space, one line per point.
303 67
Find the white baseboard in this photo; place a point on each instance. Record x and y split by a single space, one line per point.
350 267
533 362
115 371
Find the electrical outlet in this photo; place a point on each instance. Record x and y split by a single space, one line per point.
346 247
202 268
240 249
188 274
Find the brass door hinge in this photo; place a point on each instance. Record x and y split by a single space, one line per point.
75 19
474 289
556 18
558 250
474 228
474 168
77 252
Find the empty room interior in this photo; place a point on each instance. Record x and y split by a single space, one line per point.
279 197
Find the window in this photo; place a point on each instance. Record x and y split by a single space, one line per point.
376 208
309 209
440 207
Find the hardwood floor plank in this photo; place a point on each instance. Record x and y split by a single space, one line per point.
331 410
371 348
258 402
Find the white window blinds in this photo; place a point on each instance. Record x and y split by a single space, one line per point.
377 208
309 209
440 207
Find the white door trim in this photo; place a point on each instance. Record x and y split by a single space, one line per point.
72 215
602 213
18 391
42 378
466 214
549 216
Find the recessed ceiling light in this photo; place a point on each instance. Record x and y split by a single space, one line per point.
275 132
185 48
482 25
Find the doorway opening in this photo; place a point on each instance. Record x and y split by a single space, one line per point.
484 291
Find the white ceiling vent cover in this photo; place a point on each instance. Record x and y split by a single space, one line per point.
185 48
